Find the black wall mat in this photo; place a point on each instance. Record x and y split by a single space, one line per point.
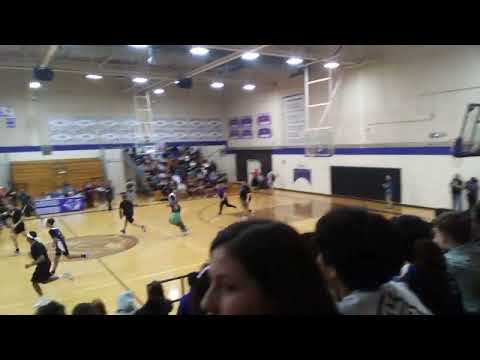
264 156
364 182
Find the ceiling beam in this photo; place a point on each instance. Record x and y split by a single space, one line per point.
262 52
211 65
52 49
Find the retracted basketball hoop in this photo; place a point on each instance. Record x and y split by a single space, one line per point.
319 142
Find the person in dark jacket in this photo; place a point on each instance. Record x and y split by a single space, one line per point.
156 303
456 186
472 192
109 194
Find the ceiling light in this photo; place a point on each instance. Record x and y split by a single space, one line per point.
176 82
249 87
94 77
250 56
201 51
139 46
294 61
158 91
140 80
217 85
331 65
34 85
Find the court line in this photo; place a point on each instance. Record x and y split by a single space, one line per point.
102 263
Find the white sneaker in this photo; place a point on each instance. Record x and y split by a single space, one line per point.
67 276
41 302
185 233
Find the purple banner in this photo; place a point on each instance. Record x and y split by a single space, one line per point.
247 127
264 120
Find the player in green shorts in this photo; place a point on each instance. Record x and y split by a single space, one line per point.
176 218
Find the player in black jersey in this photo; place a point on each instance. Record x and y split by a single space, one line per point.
246 198
42 274
60 244
17 226
126 209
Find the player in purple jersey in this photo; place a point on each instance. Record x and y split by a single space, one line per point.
222 194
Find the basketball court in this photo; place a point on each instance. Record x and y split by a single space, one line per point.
129 262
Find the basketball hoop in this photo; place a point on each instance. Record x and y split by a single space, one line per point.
319 142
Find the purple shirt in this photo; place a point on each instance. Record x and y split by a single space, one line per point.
221 192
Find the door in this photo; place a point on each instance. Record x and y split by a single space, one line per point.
253 166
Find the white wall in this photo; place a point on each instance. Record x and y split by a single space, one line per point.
425 178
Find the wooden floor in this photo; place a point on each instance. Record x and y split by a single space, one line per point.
160 253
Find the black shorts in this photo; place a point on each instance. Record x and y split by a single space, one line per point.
41 273
129 218
61 248
19 228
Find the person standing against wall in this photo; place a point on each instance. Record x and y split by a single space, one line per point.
472 192
109 194
456 186
388 186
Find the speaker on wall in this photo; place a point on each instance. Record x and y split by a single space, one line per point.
43 74
185 83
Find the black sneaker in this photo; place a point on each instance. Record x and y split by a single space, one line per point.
17 252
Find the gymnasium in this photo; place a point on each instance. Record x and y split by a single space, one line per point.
310 128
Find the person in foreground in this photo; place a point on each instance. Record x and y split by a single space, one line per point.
261 267
453 234
359 254
51 308
425 270
156 303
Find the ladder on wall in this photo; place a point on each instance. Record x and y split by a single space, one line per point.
324 84
144 115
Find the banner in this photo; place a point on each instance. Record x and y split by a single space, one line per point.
264 126
294 119
114 131
60 205
246 124
8 114
302 174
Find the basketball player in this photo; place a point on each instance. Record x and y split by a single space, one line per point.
246 198
222 194
60 245
126 209
42 274
271 180
176 218
172 198
18 226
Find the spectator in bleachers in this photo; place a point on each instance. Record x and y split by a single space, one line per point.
52 308
453 234
425 269
85 309
184 307
262 267
126 304
100 305
156 303
475 217
359 254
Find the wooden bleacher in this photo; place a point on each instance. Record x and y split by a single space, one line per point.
38 177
